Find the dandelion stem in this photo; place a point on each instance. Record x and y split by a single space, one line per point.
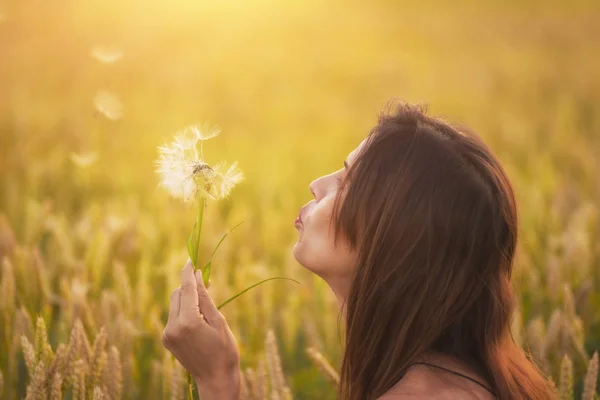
194 239
201 203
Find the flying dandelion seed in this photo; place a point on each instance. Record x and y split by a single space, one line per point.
79 289
184 173
109 105
106 55
84 160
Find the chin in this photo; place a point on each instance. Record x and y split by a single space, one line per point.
300 255
303 257
297 252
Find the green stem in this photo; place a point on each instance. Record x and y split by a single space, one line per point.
199 219
229 300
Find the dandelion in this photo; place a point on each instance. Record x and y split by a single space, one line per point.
109 105
184 173
106 54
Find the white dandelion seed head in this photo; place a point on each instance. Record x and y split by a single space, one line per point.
109 105
185 175
106 54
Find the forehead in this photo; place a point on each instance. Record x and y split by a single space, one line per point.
354 153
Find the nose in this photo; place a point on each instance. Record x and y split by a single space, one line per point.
316 188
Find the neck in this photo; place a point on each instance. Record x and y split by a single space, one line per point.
340 288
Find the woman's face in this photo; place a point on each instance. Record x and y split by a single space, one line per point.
315 249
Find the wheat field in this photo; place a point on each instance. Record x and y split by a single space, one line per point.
90 247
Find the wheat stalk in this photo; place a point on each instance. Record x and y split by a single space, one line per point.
36 388
566 379
43 351
311 331
29 355
56 387
262 383
8 240
115 374
554 330
324 365
244 390
591 377
85 347
97 394
1 382
79 373
250 379
72 355
177 382
57 367
98 359
7 298
274 366
167 371
23 323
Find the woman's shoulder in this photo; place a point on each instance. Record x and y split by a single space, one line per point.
425 382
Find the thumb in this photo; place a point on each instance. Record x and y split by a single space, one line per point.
205 302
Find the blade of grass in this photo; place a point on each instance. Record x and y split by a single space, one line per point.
229 300
206 269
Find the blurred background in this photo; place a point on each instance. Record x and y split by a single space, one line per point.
89 89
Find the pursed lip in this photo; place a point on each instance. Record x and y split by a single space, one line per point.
303 212
299 219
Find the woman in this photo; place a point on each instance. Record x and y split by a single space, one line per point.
416 237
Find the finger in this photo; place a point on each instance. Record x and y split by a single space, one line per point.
174 306
205 302
189 299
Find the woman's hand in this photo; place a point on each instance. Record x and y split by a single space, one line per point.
199 337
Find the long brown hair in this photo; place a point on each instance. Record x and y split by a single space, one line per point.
433 216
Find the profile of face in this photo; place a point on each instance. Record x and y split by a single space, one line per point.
315 249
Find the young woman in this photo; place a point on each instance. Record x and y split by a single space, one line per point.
416 236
